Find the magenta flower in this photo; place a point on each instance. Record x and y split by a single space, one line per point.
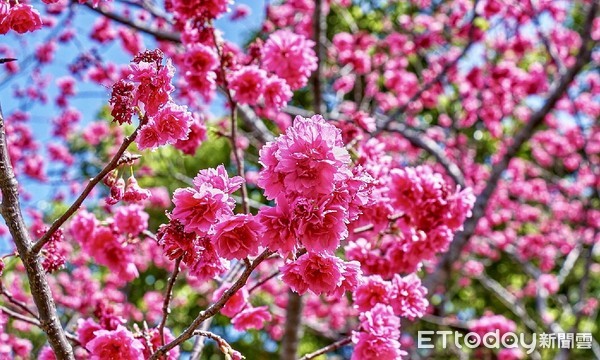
279 228
248 84
251 318
408 296
200 209
23 18
380 321
290 56
219 179
237 237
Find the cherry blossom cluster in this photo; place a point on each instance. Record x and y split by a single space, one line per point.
108 244
382 303
415 218
307 172
267 75
198 10
147 90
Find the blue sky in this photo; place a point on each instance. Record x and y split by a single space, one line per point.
90 97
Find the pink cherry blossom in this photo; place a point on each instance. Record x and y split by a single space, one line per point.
251 318
290 56
23 18
247 83
200 209
237 237
115 344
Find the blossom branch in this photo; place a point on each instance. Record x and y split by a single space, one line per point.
118 159
329 348
213 309
168 296
521 137
40 289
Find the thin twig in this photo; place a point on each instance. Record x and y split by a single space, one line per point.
118 159
508 299
16 302
239 160
264 281
166 304
329 348
222 343
421 141
158 34
18 316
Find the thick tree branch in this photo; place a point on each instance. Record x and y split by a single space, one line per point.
521 137
40 290
293 324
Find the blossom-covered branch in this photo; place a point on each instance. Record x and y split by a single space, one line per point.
120 157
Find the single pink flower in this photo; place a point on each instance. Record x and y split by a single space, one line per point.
251 318
115 344
248 84
237 237
23 18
